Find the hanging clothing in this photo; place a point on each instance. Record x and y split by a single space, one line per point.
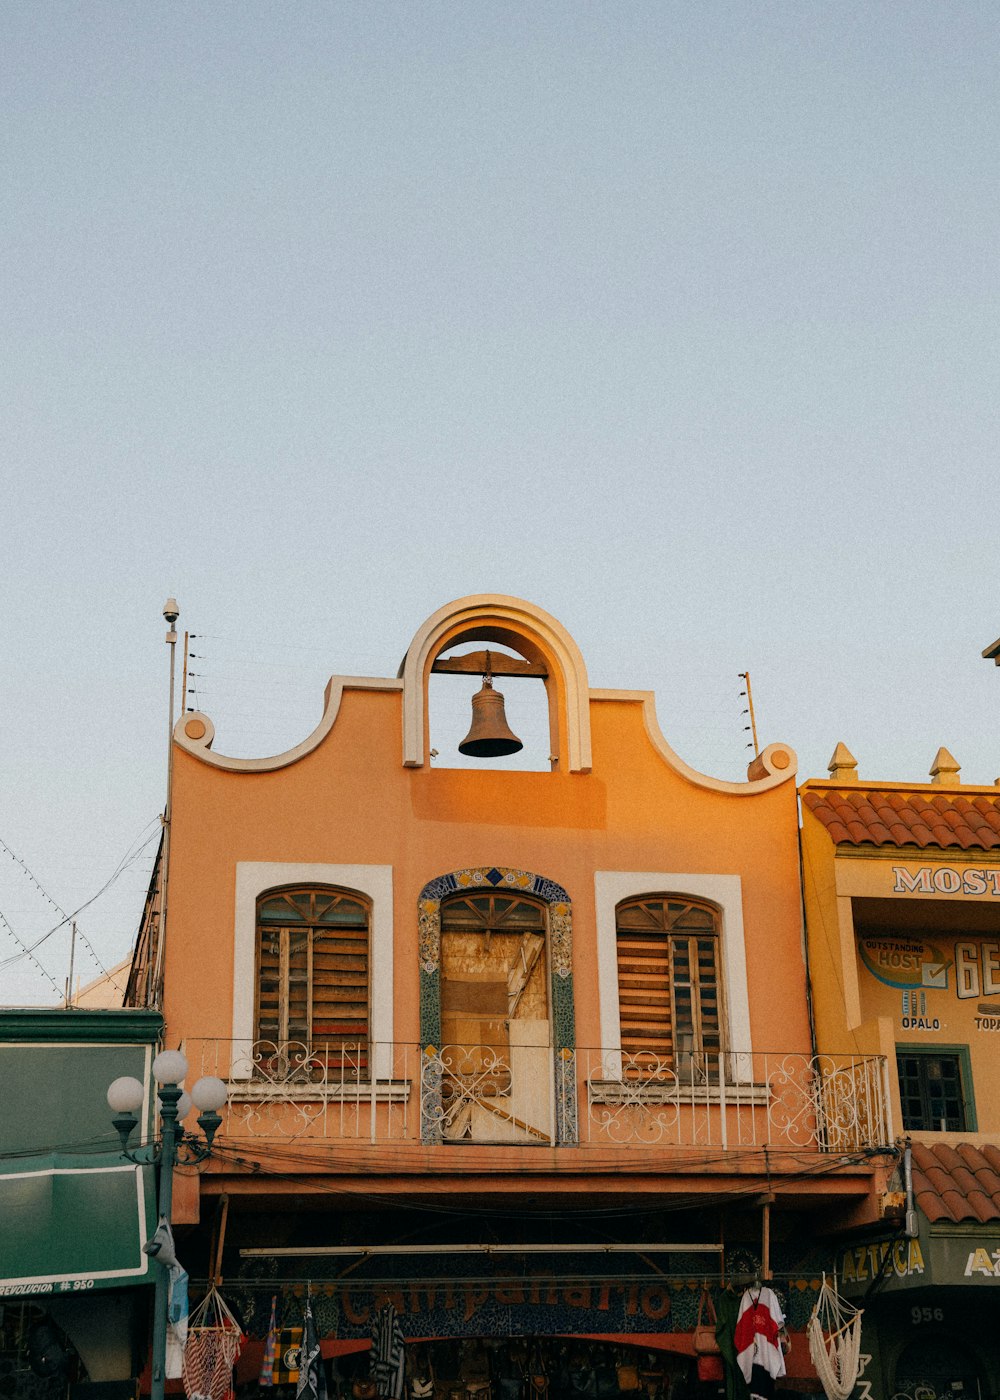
160 1246
288 1356
388 1353
177 1322
726 1309
312 1378
270 1347
758 1349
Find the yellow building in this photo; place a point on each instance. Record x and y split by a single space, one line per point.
902 898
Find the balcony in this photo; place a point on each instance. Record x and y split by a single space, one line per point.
529 1095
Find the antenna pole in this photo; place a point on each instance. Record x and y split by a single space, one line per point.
752 726
72 955
170 612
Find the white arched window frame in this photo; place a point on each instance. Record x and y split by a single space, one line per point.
253 878
611 887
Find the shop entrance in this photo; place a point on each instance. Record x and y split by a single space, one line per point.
938 1367
529 1368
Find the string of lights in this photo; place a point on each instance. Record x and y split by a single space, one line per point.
27 952
55 905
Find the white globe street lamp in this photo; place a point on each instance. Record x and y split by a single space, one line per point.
126 1097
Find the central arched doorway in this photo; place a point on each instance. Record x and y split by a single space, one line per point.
497 1025
496 1030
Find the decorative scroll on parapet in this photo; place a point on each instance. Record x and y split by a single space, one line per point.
194 732
777 763
533 634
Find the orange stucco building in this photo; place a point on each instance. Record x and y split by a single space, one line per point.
527 1053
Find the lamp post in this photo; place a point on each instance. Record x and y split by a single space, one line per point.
125 1097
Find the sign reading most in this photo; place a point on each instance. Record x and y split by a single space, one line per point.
945 879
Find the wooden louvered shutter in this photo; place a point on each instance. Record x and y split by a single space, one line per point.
340 982
644 992
270 993
668 984
312 973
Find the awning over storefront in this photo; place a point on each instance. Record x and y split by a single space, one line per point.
938 1257
957 1192
73 1224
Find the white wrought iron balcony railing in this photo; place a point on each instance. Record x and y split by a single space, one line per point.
535 1096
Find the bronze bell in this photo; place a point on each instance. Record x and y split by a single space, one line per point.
490 736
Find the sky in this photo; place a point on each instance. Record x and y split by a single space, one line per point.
677 319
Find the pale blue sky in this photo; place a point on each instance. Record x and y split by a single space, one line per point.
679 319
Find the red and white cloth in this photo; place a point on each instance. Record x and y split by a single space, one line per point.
758 1348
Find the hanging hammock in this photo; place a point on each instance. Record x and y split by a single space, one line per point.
834 1331
213 1344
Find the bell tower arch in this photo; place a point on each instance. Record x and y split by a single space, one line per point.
526 629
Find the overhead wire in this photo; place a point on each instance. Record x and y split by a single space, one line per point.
131 855
826 1166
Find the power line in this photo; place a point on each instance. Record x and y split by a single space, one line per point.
827 1165
127 859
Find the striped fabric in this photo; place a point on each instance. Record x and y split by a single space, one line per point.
270 1347
388 1353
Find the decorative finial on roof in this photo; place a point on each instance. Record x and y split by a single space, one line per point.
843 765
945 768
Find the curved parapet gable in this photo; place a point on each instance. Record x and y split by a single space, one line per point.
194 732
512 622
531 632
775 765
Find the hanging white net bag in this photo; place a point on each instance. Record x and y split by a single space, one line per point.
213 1344
834 1331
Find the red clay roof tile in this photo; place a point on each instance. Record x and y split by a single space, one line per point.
982 1205
957 1183
932 1208
922 834
872 817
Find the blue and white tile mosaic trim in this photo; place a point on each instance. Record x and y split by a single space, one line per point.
560 937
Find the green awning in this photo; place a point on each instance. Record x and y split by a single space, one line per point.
73 1224
944 1255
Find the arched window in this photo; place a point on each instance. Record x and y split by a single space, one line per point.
669 989
312 970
